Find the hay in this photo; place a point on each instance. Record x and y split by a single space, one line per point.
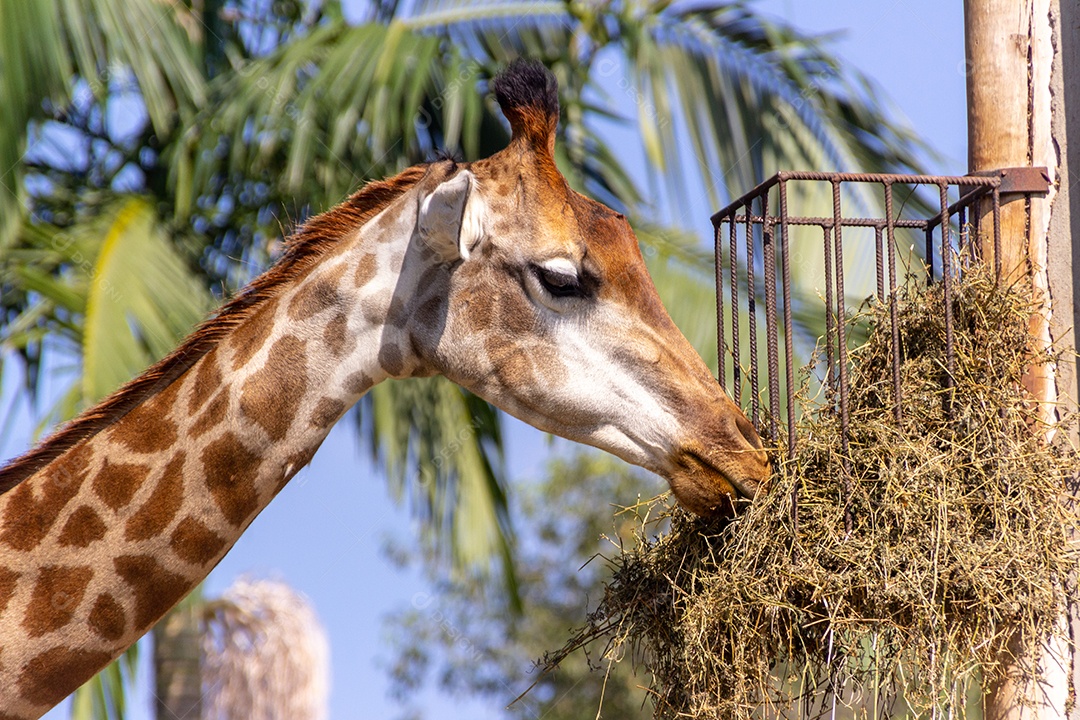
958 547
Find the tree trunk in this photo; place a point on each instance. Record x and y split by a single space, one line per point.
1010 48
178 663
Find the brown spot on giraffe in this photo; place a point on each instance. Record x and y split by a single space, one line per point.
251 335
384 227
8 580
230 472
272 395
481 315
213 414
293 464
29 517
206 383
390 359
516 317
83 527
57 593
373 306
195 543
116 483
432 312
154 516
326 412
396 315
48 677
155 588
317 294
334 334
358 383
107 617
516 366
149 429
365 269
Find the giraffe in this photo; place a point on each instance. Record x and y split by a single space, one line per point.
493 273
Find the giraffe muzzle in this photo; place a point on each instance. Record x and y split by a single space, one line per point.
704 489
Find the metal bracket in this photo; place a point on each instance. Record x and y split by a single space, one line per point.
1030 180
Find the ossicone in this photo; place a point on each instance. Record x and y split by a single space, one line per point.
528 95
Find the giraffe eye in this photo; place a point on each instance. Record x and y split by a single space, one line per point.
558 282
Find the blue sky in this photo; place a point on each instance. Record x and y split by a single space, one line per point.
323 534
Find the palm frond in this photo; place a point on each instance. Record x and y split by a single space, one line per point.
105 696
141 301
442 447
113 288
265 654
88 46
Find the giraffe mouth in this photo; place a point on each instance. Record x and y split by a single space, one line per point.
745 488
706 489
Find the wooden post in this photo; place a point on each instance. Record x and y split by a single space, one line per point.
998 100
1010 48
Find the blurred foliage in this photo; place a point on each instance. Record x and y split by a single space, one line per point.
460 639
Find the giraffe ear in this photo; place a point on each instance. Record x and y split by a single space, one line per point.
451 219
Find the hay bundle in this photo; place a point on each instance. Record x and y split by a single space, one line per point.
958 542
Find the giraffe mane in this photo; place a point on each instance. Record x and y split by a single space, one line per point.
303 249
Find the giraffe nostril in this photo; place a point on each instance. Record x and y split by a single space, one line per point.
747 430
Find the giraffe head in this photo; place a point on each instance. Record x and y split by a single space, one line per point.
537 299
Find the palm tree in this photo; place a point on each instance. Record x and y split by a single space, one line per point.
266 654
183 135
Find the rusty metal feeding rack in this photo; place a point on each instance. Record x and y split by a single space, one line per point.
747 238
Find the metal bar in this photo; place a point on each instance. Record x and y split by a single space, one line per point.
721 343
965 202
946 281
929 255
789 359
751 294
736 351
1026 180
827 233
789 356
976 236
768 239
882 177
965 238
841 345
880 262
996 200
893 322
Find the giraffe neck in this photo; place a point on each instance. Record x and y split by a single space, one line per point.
97 545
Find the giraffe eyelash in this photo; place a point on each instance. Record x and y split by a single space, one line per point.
558 283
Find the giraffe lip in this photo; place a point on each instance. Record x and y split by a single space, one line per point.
745 488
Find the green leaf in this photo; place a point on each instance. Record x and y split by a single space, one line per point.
142 298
